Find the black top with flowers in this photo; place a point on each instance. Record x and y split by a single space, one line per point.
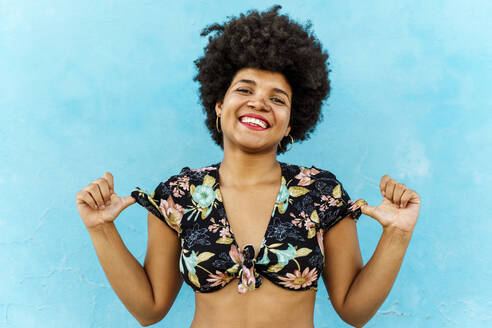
309 202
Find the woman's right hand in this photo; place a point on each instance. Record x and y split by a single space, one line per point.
98 203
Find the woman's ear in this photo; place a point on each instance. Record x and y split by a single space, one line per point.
288 131
218 108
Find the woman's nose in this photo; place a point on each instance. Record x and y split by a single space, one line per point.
258 103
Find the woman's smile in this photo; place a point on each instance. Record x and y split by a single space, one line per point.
254 121
259 101
253 126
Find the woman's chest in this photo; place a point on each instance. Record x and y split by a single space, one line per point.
249 213
280 224
216 219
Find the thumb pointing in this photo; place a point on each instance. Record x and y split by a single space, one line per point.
127 201
369 210
123 203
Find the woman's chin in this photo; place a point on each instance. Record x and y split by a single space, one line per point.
254 147
251 143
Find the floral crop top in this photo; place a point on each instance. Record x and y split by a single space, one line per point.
309 202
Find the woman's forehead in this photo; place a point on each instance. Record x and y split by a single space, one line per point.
258 76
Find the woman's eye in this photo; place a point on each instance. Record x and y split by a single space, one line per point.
278 100
243 90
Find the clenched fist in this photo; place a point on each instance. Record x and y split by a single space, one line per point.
98 203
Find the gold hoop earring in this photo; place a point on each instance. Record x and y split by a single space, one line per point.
292 143
217 124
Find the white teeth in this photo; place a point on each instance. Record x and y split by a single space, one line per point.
255 121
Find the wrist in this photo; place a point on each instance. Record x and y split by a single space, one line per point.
396 231
102 228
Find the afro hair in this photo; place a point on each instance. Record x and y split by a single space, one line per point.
272 42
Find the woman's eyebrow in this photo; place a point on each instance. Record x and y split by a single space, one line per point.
254 83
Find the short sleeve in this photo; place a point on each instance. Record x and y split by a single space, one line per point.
334 201
161 203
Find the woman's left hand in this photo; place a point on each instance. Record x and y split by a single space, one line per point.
399 208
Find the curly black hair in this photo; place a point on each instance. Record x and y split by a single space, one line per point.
271 42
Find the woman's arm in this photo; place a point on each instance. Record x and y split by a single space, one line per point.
357 291
147 292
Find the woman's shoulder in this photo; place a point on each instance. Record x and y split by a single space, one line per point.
301 172
207 169
196 174
304 171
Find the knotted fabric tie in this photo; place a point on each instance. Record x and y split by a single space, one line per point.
249 279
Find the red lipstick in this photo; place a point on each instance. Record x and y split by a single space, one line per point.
258 117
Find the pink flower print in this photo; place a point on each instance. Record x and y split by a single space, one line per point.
305 176
319 236
184 182
298 279
322 207
224 232
297 222
236 255
172 211
247 276
331 201
308 224
357 204
219 278
178 192
241 289
204 169
248 280
214 226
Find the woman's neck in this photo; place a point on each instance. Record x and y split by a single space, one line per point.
243 170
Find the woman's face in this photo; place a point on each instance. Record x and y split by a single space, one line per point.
253 92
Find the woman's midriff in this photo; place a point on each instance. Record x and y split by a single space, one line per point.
267 306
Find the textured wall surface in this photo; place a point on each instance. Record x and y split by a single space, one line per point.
94 86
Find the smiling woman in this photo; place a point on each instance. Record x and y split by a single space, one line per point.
272 43
274 227
255 101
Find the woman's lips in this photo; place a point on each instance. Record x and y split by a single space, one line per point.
252 127
259 117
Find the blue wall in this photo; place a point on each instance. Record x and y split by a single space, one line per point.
94 86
